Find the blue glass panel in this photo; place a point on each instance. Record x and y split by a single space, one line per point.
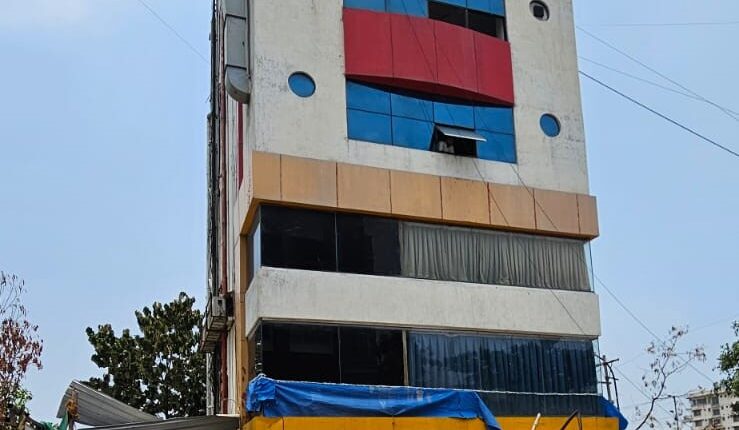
550 125
301 84
495 7
499 147
409 7
412 133
412 107
376 5
459 115
493 118
367 98
460 3
368 126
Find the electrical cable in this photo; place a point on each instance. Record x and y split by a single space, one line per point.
172 29
661 115
657 72
647 81
664 24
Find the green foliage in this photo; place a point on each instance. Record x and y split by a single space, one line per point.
729 366
160 370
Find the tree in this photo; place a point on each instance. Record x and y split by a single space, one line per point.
729 366
20 345
667 361
159 370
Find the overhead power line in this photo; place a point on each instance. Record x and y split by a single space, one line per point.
658 73
661 115
646 81
665 24
173 30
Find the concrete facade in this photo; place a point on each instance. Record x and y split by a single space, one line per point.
295 151
299 295
545 81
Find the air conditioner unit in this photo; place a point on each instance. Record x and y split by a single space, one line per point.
218 320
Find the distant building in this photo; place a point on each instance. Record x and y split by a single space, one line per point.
710 410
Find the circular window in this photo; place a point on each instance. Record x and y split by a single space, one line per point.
302 84
550 125
539 10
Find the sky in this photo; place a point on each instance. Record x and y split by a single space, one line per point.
102 177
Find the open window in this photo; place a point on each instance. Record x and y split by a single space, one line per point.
481 22
455 141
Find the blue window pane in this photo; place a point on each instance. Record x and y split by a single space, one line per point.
495 7
459 115
368 126
408 7
412 107
460 3
550 125
499 147
367 98
492 118
301 84
412 133
376 5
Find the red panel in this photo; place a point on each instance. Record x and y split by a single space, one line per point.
428 56
455 56
240 144
414 51
494 68
367 43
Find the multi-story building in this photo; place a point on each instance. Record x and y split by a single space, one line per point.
713 410
399 197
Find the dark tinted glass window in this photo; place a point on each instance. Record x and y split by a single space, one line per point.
371 357
486 23
447 13
298 238
300 353
368 245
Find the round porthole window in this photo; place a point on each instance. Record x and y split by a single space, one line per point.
550 125
301 84
540 10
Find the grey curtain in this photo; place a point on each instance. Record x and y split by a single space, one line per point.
430 251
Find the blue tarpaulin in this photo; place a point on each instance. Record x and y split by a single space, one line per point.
612 411
295 399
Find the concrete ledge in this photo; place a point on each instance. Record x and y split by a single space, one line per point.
323 297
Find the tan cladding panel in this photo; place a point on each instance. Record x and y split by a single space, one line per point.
362 188
512 206
465 201
306 181
266 175
415 195
357 188
556 212
588 213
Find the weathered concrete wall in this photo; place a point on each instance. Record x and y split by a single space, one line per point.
298 295
307 35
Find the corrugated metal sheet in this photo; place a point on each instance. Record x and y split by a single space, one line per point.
98 409
213 422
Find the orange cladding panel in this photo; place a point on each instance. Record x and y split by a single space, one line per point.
465 201
307 181
512 206
556 212
363 188
415 195
265 168
588 213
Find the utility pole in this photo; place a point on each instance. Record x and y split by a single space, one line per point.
610 377
677 416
